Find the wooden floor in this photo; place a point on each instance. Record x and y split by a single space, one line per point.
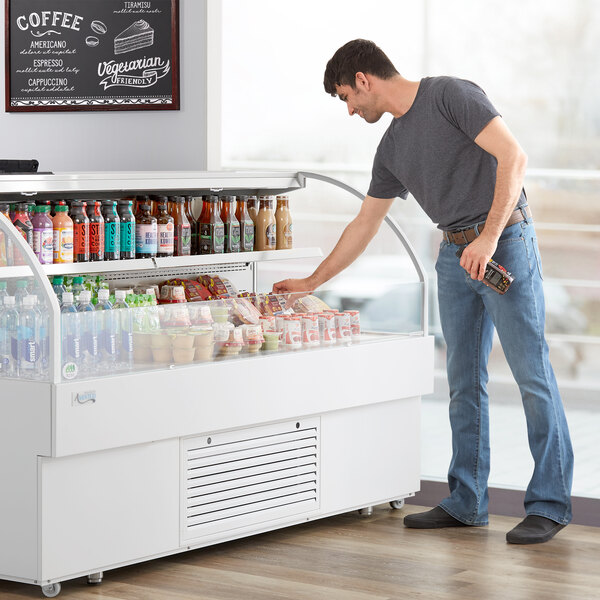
354 558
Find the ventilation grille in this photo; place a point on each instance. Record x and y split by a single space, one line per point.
243 478
164 273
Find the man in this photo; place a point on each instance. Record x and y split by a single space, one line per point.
448 146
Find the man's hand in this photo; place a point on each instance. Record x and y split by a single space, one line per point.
294 289
477 255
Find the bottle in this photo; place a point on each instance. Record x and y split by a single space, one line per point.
7 251
246 224
81 232
189 213
265 230
77 288
166 230
89 334
43 235
212 231
146 233
9 325
107 331
3 292
183 230
22 222
71 337
125 327
43 337
28 349
21 292
96 230
139 201
112 231
127 227
252 207
58 285
63 235
231 225
283 221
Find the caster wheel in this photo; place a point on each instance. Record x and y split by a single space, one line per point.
397 504
365 512
52 590
95 578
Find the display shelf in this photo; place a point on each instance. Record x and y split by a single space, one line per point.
151 264
79 185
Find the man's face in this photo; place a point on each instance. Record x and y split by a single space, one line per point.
359 101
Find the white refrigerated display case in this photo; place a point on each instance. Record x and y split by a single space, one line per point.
106 470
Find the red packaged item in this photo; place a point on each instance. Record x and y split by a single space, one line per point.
327 328
172 294
343 331
218 286
310 330
354 323
243 311
194 290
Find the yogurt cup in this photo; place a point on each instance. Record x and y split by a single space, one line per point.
183 355
160 340
183 340
204 353
162 354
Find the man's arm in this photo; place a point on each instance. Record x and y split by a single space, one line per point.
352 243
496 139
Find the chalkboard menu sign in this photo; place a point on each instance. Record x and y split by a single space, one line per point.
64 55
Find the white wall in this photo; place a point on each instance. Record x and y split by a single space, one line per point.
127 140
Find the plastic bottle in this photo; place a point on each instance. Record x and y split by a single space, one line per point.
7 251
146 233
108 328
28 349
246 224
253 208
22 222
166 230
125 336
77 288
189 213
63 235
230 225
59 288
43 235
127 229
21 292
81 232
89 334
71 337
43 336
112 230
9 324
3 292
96 230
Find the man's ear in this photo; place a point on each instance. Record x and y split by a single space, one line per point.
362 81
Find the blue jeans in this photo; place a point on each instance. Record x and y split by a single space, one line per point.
469 311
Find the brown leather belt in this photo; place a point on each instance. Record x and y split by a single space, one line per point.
466 236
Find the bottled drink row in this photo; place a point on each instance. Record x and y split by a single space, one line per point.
146 227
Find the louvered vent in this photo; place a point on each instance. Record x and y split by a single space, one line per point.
240 478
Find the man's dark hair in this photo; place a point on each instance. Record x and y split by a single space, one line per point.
355 56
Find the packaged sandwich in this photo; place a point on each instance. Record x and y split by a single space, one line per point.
310 304
194 290
218 286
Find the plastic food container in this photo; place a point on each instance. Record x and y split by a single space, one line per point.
204 353
183 355
271 342
160 340
162 354
183 340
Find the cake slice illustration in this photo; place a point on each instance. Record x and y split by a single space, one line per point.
137 35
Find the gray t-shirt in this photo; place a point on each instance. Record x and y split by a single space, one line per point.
430 152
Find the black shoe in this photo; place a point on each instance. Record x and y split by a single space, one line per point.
432 519
533 529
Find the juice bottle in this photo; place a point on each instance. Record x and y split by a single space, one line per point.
112 231
283 220
127 229
63 235
43 235
230 224
166 230
22 222
7 251
81 232
146 233
183 230
212 232
96 230
139 201
265 230
246 224
189 213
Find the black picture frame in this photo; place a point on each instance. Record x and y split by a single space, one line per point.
98 55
